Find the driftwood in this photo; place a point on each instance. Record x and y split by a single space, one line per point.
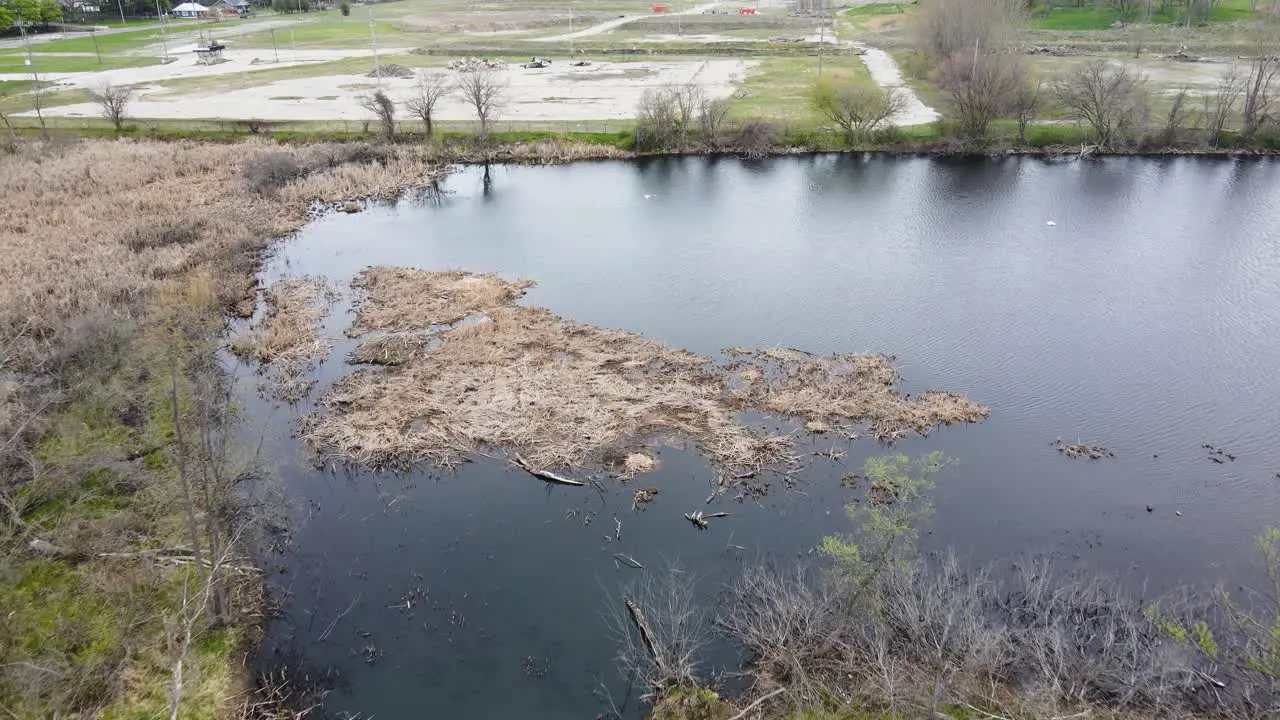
543 474
646 636
755 704
628 560
699 518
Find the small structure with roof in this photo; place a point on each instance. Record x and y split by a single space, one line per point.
190 10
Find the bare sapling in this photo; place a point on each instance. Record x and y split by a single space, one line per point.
430 89
657 122
1026 104
486 93
711 115
384 109
857 107
983 86
1110 99
1219 107
114 102
1258 94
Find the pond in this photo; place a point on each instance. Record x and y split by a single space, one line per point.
1132 303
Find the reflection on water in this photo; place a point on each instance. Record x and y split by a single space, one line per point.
1144 320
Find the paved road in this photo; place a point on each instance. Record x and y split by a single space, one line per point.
608 25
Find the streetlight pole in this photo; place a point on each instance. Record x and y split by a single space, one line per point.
373 45
120 4
164 42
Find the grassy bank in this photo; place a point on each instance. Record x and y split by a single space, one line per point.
123 558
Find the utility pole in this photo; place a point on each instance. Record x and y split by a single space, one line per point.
274 47
822 39
30 63
373 45
120 4
570 32
164 42
93 33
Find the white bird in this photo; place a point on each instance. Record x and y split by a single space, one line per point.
1051 223
647 196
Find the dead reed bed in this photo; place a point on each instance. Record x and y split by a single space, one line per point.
287 340
89 229
566 394
558 392
394 348
841 388
397 298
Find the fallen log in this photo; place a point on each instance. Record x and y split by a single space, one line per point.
544 474
647 637
699 518
628 560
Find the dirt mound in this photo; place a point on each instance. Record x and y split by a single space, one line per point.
392 71
562 393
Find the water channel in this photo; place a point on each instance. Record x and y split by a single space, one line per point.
1133 303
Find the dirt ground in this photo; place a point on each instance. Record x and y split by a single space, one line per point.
599 91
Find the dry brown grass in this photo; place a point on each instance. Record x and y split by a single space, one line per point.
288 338
93 227
566 394
556 391
396 348
843 388
406 298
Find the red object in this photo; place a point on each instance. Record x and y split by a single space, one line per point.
661 8
747 11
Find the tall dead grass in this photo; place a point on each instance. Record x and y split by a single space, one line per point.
399 298
288 337
836 388
94 226
558 392
567 394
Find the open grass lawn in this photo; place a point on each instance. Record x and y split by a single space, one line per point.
16 63
779 88
880 8
1101 17
326 30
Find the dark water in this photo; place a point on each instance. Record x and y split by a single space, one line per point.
1147 319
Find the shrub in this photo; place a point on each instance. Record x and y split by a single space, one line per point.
269 171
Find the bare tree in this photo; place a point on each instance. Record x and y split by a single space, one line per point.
114 101
382 106
982 86
1258 99
1026 103
857 107
657 119
1110 99
946 27
430 89
711 115
1219 106
688 99
1176 120
485 92
1131 10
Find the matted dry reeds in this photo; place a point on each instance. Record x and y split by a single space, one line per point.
287 339
825 390
562 393
398 298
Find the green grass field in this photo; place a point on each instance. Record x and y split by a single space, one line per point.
1102 18
779 88
17 63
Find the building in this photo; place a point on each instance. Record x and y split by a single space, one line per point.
190 10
